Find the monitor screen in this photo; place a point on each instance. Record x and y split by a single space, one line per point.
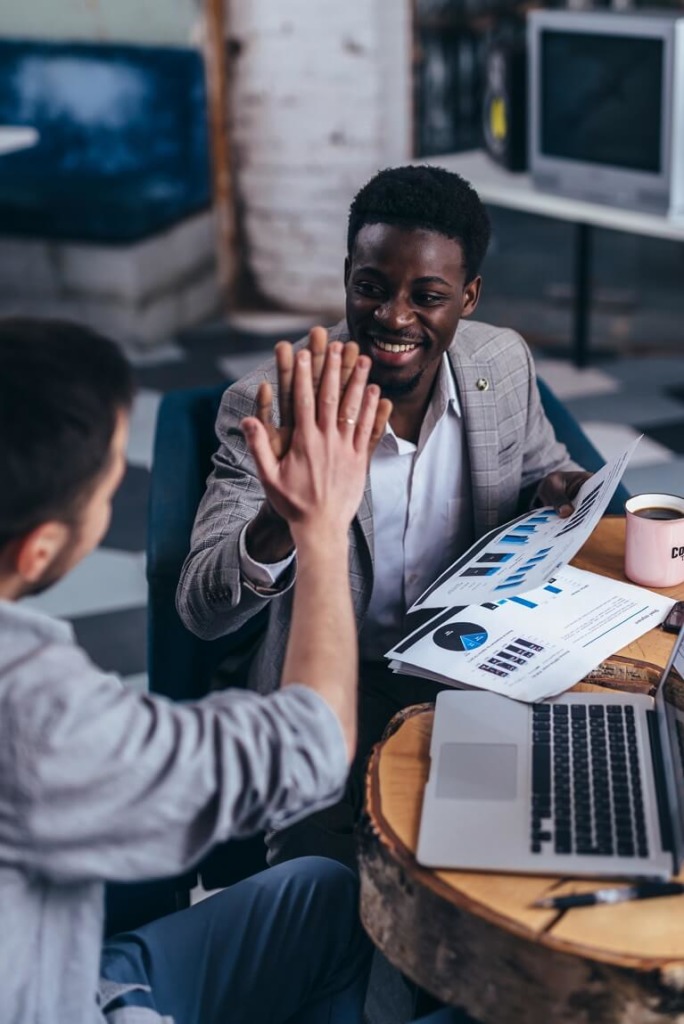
601 99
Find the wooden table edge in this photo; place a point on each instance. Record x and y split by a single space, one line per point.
428 877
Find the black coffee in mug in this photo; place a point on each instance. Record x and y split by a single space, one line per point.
659 512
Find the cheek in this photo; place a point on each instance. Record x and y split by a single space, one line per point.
97 526
104 520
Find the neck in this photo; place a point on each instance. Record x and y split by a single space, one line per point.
408 411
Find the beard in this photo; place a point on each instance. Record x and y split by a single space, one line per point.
397 388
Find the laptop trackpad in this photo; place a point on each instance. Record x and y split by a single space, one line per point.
477 771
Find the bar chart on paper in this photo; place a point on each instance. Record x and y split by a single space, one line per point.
524 553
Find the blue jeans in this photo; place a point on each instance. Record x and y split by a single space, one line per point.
283 947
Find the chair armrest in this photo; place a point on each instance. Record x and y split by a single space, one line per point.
569 432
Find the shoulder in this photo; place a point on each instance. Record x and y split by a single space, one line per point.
45 688
480 342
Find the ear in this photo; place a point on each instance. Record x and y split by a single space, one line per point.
38 550
347 270
471 296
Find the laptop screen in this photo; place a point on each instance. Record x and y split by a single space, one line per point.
670 706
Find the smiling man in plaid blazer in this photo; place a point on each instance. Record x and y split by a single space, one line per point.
468 444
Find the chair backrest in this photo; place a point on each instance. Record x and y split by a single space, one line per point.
180 665
570 433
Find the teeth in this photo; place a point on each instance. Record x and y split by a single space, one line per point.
386 347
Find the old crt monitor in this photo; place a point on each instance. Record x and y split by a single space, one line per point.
606 104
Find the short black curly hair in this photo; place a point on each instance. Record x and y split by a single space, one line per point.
425 197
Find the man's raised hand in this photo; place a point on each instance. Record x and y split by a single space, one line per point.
280 435
319 479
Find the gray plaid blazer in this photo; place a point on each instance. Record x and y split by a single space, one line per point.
511 447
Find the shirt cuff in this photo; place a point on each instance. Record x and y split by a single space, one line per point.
258 573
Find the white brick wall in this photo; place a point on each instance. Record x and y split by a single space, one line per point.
320 101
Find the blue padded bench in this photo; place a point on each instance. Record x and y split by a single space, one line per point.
123 150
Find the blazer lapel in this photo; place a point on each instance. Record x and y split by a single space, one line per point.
480 420
364 517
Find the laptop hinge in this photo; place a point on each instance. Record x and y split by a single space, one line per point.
660 783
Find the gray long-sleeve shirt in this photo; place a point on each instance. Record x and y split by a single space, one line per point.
98 783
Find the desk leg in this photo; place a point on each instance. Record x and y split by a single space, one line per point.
582 297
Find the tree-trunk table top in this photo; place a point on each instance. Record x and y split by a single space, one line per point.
472 939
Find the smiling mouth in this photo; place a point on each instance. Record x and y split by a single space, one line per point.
393 346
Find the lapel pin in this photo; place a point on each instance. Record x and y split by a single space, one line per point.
482 384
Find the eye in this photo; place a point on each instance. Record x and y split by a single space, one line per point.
368 289
430 298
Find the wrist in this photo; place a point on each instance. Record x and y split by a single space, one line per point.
267 537
317 543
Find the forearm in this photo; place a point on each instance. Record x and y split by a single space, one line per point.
211 599
129 786
322 647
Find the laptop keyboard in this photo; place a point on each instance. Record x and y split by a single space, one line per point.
586 785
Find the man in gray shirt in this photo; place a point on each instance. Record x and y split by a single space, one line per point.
99 783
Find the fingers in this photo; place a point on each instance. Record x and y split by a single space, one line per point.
318 344
575 482
352 399
329 391
350 353
264 404
304 402
259 445
367 417
552 491
285 364
382 415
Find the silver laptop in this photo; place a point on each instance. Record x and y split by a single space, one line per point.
584 784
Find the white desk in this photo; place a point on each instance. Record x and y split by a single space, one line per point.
516 192
15 137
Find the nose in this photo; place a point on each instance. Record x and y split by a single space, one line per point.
394 315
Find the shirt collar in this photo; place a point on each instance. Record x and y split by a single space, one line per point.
444 398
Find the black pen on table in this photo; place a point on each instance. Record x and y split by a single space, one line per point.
640 891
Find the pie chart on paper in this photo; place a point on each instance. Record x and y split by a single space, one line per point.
460 636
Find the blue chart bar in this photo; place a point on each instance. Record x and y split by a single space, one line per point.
536 558
543 551
523 601
480 570
507 586
541 518
495 556
554 590
510 538
525 528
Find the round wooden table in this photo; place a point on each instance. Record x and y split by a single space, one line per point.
472 940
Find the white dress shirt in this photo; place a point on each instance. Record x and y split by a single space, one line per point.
422 517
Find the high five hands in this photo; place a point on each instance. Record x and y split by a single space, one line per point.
313 465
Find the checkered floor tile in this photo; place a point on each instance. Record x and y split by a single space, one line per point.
105 596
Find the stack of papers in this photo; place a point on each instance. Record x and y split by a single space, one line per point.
511 616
